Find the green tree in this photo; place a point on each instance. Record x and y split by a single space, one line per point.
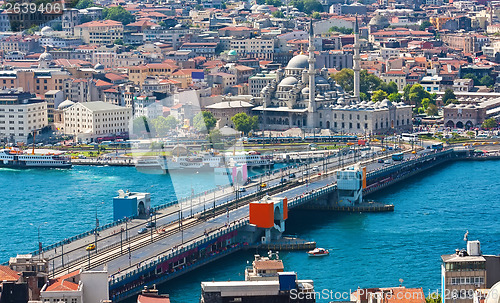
432 110
316 15
307 6
425 24
223 5
433 298
32 29
119 14
378 95
82 4
345 78
448 95
275 3
363 96
417 93
57 26
489 123
244 123
215 136
278 14
342 30
141 125
204 121
425 102
392 88
454 101
487 81
473 77
395 97
118 42
406 92
171 122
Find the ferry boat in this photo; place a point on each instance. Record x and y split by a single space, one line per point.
205 161
13 158
318 252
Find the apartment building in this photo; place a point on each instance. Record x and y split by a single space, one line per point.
252 46
138 74
90 120
100 32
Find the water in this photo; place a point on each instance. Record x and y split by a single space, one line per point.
432 212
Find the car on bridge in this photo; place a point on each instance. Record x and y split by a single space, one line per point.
150 224
242 189
292 175
263 185
90 247
142 231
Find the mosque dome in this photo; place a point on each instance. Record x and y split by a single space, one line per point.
379 21
288 81
385 103
65 104
45 56
298 62
492 296
99 66
320 80
305 90
47 31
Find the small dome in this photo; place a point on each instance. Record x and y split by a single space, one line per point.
288 81
47 31
99 66
46 56
65 104
320 80
385 103
305 90
232 53
299 61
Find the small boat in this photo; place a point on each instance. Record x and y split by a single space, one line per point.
318 252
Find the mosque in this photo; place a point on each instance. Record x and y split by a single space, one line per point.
287 102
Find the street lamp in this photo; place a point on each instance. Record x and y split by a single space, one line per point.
40 251
96 226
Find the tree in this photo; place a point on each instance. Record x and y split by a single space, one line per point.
448 95
417 93
307 6
425 24
487 81
392 88
342 30
432 110
345 78
119 14
473 77
140 125
316 15
215 136
278 14
204 121
223 5
378 95
118 42
433 298
406 92
163 125
425 102
244 123
57 26
275 3
395 97
489 123
82 4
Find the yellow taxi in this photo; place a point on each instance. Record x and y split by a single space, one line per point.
413 152
90 247
263 185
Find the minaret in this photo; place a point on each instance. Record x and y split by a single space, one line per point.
356 60
311 108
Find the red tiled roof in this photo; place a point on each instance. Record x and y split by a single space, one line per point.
7 274
100 23
60 284
102 83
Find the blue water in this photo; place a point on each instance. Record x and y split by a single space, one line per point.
432 212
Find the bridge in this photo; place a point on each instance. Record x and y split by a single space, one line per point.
197 230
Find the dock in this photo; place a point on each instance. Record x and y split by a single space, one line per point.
288 244
365 207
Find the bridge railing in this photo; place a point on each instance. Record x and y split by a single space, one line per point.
164 257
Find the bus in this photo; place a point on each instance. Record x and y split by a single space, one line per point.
437 146
397 157
409 137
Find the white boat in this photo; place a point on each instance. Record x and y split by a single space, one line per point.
318 252
205 161
15 158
